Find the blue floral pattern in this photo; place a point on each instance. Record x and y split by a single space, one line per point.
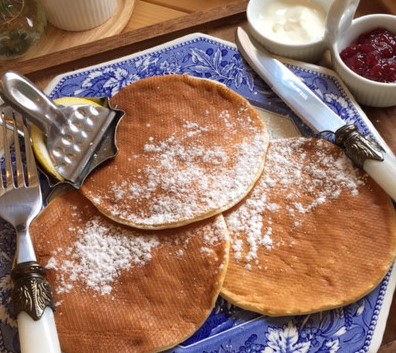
206 57
352 329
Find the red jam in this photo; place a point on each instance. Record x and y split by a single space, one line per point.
373 55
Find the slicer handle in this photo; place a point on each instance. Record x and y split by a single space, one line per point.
17 91
38 336
383 172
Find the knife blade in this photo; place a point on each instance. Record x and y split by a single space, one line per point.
363 150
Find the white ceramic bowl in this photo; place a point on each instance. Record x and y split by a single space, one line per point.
309 52
78 15
366 92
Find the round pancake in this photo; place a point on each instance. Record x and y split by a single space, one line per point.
314 234
119 289
189 149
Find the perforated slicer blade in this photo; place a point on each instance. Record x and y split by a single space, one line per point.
78 138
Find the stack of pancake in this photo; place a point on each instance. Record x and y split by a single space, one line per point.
200 203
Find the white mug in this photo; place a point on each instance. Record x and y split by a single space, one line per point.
78 15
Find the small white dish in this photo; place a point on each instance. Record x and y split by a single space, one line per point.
305 49
365 91
78 15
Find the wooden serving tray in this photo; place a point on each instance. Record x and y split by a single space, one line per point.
115 46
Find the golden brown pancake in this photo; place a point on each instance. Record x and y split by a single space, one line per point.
314 234
123 290
189 149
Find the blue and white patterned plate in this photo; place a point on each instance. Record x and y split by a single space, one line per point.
356 328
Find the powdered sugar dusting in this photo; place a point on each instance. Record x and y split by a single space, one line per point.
102 251
219 174
100 254
291 169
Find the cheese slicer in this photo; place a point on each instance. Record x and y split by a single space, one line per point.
78 137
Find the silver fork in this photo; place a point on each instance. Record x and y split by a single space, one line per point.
20 203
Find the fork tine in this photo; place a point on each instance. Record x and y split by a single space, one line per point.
8 181
32 172
20 180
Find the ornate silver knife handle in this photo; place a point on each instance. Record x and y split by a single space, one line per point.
370 156
357 147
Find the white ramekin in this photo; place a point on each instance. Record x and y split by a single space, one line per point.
366 92
310 52
78 15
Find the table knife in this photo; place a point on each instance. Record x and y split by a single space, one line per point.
364 151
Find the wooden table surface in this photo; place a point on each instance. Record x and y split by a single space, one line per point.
157 21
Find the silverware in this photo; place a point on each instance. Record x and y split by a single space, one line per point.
78 137
377 160
20 203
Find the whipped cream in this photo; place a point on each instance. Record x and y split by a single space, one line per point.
293 21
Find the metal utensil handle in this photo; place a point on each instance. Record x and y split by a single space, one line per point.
17 91
34 307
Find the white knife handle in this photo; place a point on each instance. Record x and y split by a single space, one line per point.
383 172
38 336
